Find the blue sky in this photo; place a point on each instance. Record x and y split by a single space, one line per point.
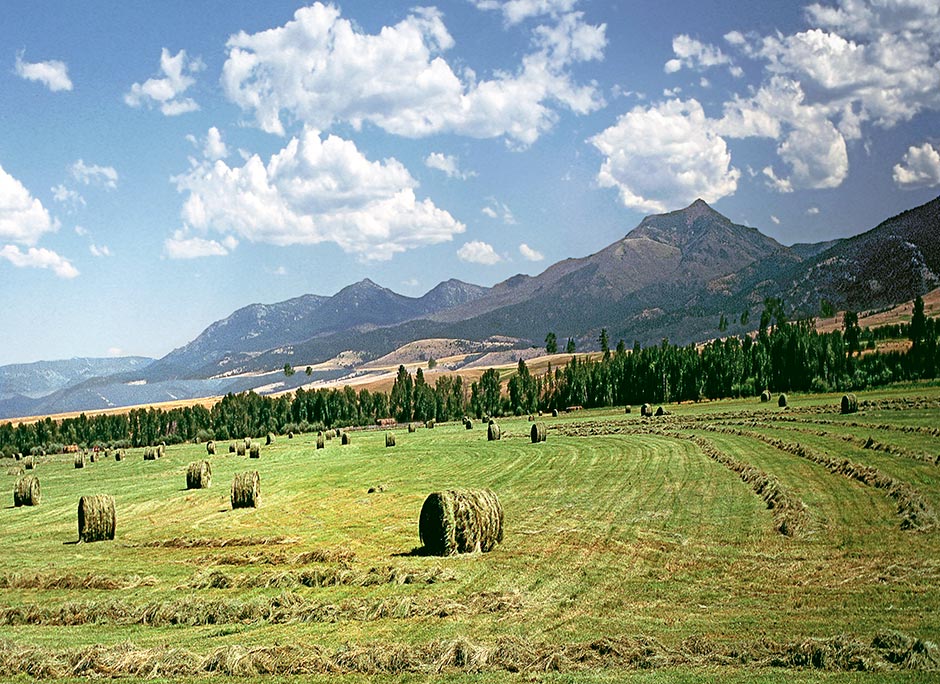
162 164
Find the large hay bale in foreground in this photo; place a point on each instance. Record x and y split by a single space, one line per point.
199 475
492 432
26 491
246 490
782 400
240 449
765 396
389 439
646 410
538 433
460 521
210 448
346 439
254 451
270 439
320 442
79 460
849 403
96 518
29 462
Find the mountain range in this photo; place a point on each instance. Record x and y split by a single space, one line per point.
674 275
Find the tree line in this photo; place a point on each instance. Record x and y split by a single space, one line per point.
782 357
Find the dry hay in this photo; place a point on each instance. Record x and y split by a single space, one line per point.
79 460
29 462
232 448
646 410
849 403
247 443
412 427
389 439
269 440
119 455
467 423
161 450
346 439
538 433
376 489
212 543
290 434
246 490
47 580
554 413
782 401
492 432
210 448
150 454
240 448
661 411
199 475
96 518
460 521
628 409
26 491
320 442
255 450
765 396
93 456
429 425
317 577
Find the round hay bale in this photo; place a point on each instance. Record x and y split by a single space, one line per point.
255 450
93 457
119 455
765 396
530 418
79 460
412 427
849 403
346 439
247 442
96 518
150 454
240 448
660 411
246 490
460 521
389 439
320 442
290 434
26 491
210 448
538 433
429 425
18 456
161 450
782 400
29 462
628 409
338 432
232 448
492 432
329 436
467 423
554 413
646 410
269 440
199 475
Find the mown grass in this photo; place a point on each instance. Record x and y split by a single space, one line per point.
626 549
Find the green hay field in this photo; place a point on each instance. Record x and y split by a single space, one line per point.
632 552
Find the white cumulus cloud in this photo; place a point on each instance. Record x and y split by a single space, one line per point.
92 174
478 252
99 251
38 257
183 246
694 54
530 254
67 196
320 69
448 164
167 90
919 168
515 11
23 218
665 156
498 210
212 146
53 74
314 190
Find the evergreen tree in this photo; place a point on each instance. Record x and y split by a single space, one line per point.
569 348
551 343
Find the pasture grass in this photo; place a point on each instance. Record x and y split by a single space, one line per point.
629 555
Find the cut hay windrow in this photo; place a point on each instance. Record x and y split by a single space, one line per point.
209 543
492 432
916 513
199 475
96 518
210 448
254 451
332 576
538 433
389 439
460 521
46 581
790 514
286 607
246 490
26 491
503 657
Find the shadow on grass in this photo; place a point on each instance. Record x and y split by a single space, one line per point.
418 551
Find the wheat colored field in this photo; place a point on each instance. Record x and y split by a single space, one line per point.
727 541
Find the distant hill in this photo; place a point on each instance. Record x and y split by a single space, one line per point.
673 276
41 378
